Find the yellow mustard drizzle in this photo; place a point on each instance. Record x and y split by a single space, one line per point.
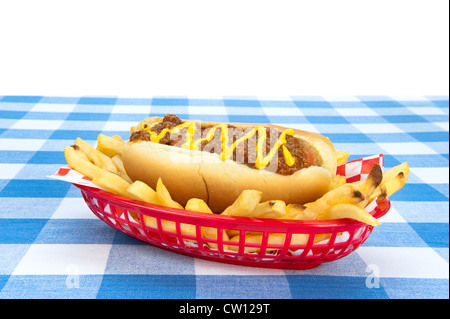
227 151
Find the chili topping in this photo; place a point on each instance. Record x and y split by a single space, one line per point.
258 147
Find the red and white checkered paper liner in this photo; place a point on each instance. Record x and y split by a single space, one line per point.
66 174
359 169
354 170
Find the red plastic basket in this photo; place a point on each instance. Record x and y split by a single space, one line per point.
300 244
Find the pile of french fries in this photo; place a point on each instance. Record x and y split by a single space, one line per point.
104 166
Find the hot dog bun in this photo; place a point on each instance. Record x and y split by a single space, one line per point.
196 174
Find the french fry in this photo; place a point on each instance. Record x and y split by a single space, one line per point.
95 156
86 148
118 138
231 232
276 209
117 160
269 209
244 204
274 239
170 226
342 157
110 145
299 212
380 194
349 211
350 193
80 152
103 161
198 205
394 171
140 191
320 237
81 164
395 184
345 194
112 183
256 239
369 186
393 180
337 180
390 187
164 197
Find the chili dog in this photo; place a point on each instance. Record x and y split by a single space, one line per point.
215 162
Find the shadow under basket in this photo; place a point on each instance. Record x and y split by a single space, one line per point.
269 243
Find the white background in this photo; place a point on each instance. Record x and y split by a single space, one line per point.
224 48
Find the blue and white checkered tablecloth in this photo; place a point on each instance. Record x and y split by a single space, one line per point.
52 246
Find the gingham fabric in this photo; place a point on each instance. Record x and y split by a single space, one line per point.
52 246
